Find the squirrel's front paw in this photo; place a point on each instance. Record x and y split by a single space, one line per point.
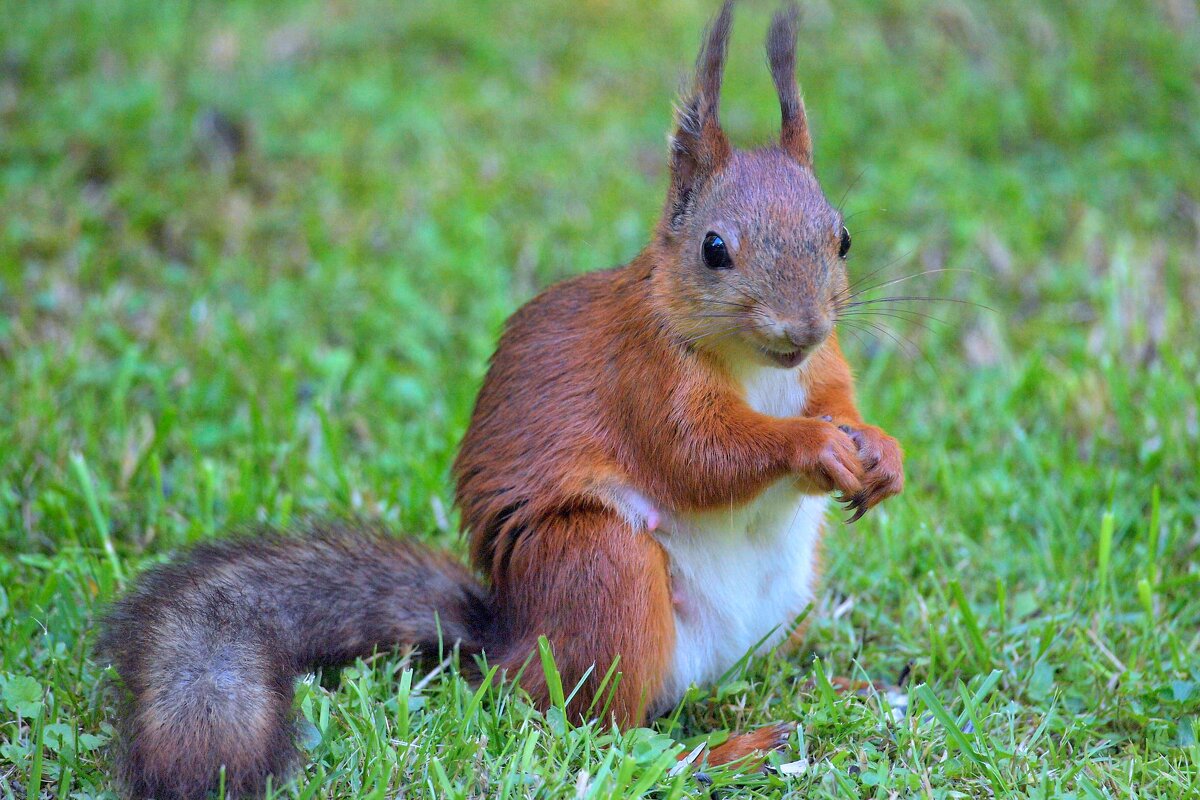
882 466
827 458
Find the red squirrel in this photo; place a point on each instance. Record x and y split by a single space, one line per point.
644 480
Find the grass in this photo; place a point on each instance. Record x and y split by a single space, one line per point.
253 259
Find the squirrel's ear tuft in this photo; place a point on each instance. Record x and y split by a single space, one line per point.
699 147
781 55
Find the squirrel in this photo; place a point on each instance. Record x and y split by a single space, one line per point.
644 480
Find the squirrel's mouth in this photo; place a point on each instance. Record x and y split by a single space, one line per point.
786 360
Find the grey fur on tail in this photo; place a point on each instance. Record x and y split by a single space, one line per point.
208 646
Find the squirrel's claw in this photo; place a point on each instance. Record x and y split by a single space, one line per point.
856 503
883 472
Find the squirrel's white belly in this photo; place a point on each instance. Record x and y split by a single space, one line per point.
739 579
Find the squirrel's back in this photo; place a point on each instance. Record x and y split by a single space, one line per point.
571 364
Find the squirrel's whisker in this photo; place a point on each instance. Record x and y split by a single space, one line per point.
853 287
745 306
841 203
754 301
892 315
912 349
883 329
899 313
849 217
911 298
855 333
903 278
724 332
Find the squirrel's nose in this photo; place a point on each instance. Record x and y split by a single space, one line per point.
807 335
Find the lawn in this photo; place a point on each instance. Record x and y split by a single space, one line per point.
254 258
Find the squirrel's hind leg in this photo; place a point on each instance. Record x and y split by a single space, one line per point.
598 590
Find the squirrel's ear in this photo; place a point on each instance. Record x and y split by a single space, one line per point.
781 55
699 147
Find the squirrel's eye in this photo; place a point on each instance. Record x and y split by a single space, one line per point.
714 252
844 247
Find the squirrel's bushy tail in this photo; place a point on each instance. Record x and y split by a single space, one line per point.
209 646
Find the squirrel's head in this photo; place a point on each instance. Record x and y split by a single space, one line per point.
754 253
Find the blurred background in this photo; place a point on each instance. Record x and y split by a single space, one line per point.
254 258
